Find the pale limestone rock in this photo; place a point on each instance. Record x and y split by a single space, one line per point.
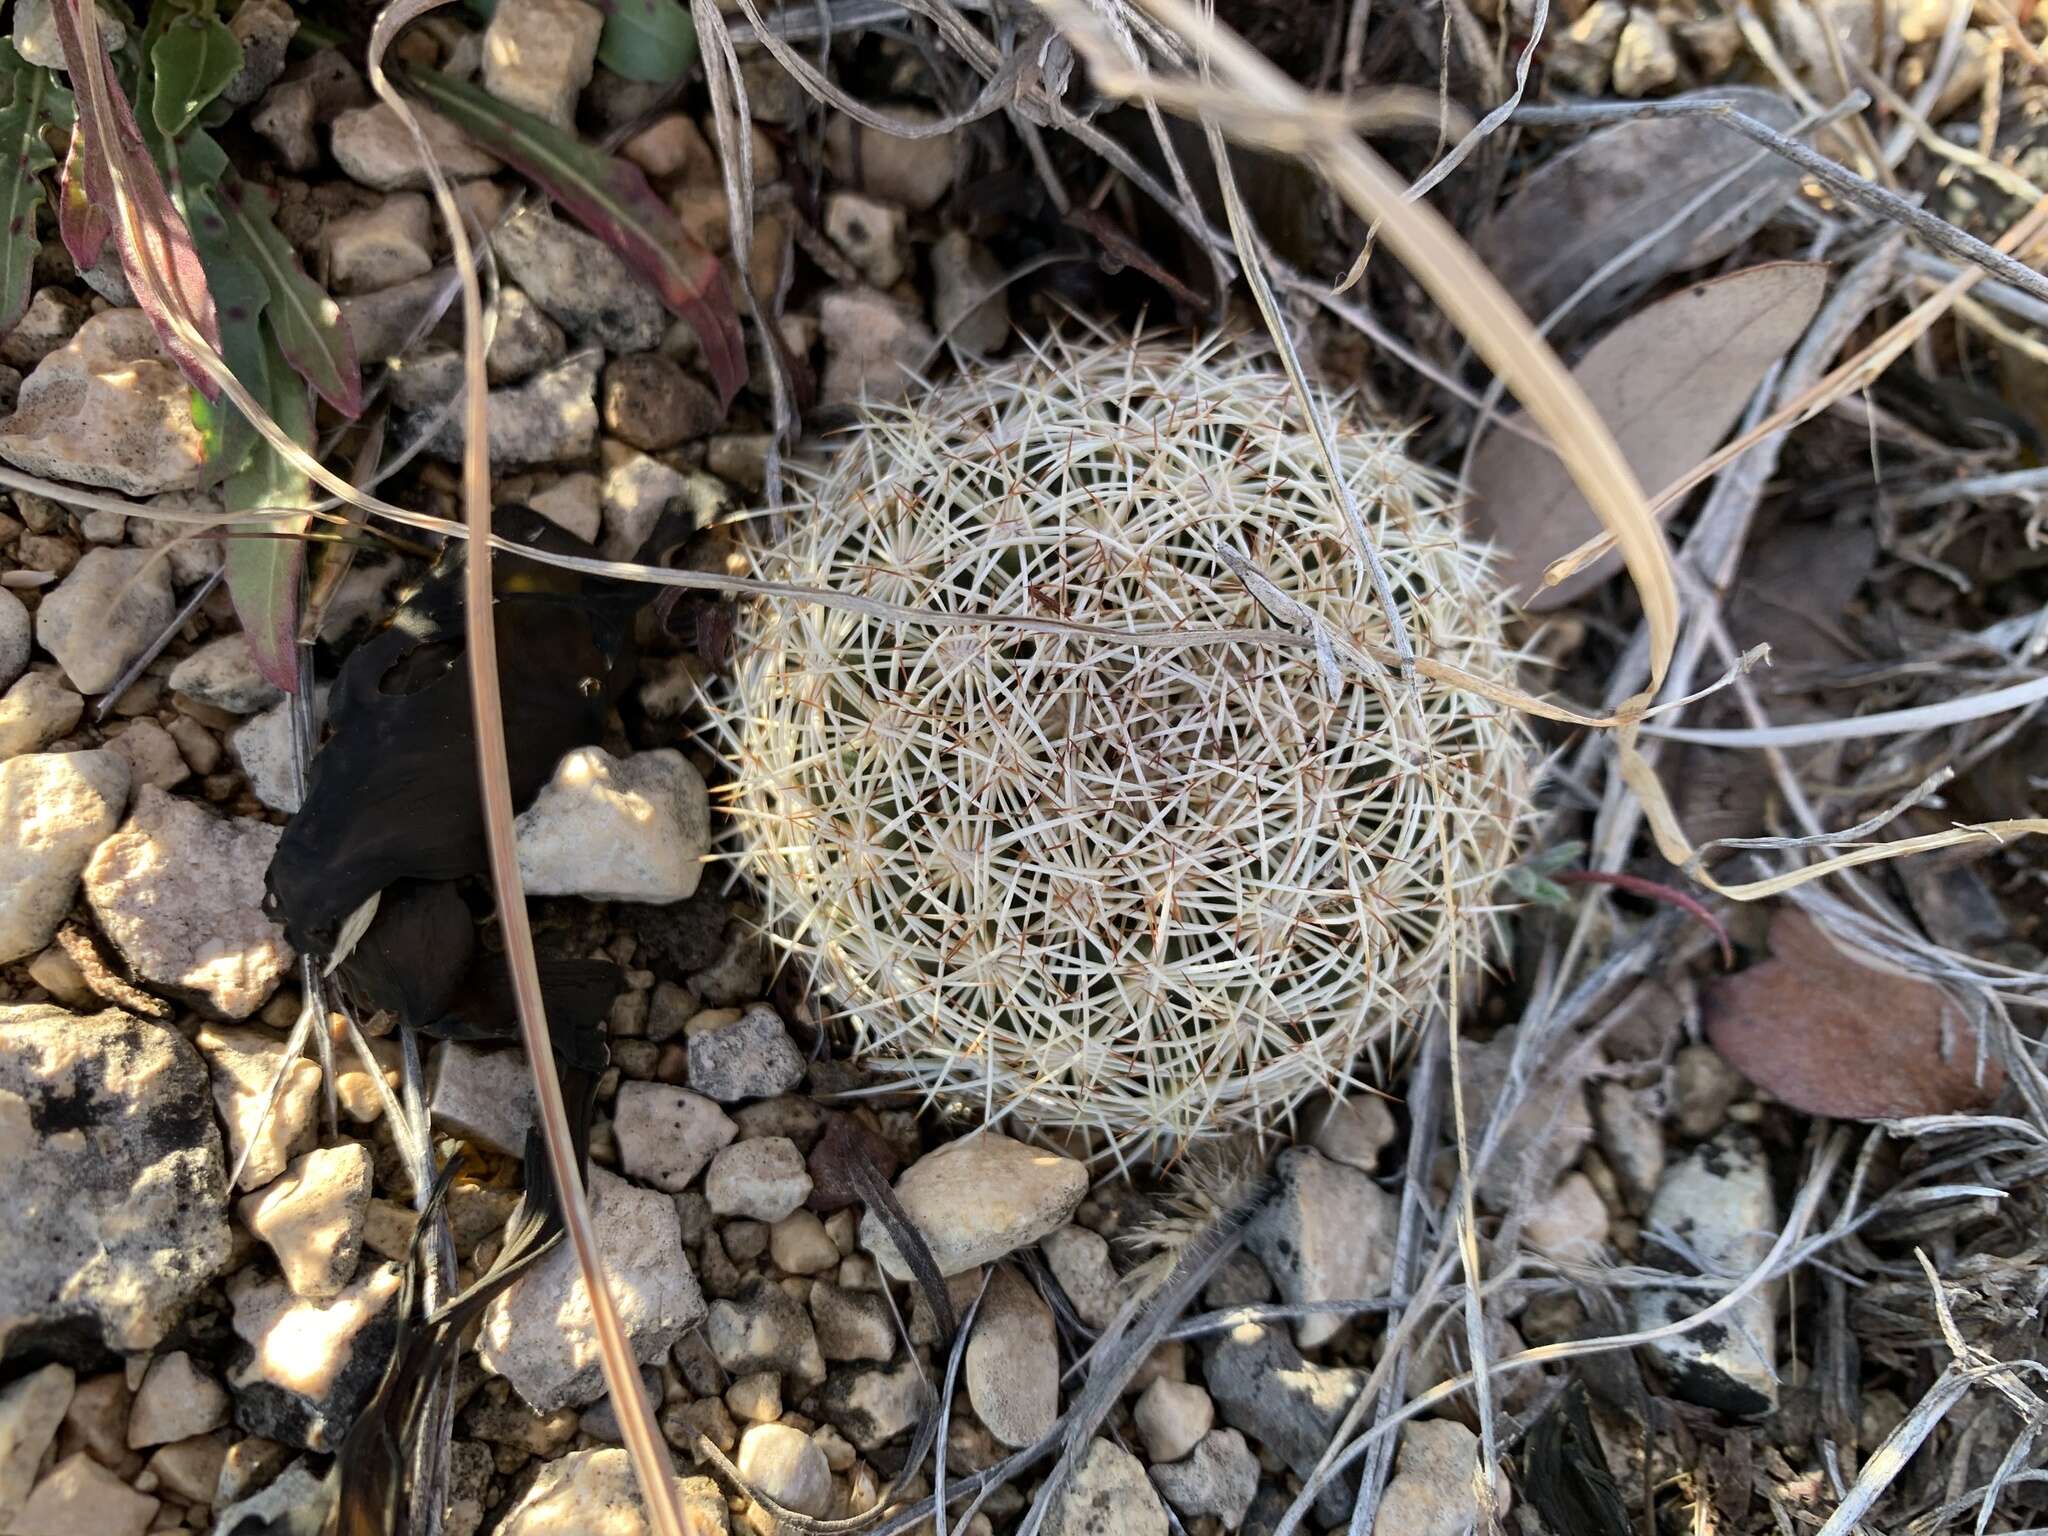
108 408
611 829
55 809
979 1198
244 1062
312 1217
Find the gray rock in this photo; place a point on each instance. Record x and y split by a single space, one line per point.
611 829
1218 1480
470 1469
787 1465
176 1401
1079 1260
750 1058
1717 1203
970 305
580 281
1548 1130
312 1217
524 342
78 1494
296 1489
650 403
870 234
913 172
1431 1492
1108 1495
764 1328
595 1493
265 29
1012 1364
151 753
192 552
269 759
115 1202
538 1334
37 40
977 1199
538 55
375 148
762 1179
1569 1223
1261 1385
55 808
14 638
179 891
1353 1131
852 1325
31 1408
484 1095
1631 1138
108 408
549 419
52 318
104 615
372 248
572 504
1172 1417
381 323
37 710
873 1407
304 1368
666 1135
873 345
1703 1086
244 1063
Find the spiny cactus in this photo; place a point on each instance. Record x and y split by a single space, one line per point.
1147 891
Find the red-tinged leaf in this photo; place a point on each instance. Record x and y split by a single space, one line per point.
156 248
1830 1032
310 329
264 561
82 219
610 198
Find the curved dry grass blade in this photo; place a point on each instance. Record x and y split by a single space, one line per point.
644 1443
611 198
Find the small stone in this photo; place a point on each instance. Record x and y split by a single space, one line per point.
1354 1131
80 1495
977 1199
763 1179
31 1408
152 756
913 172
273 1504
265 29
469 1489
669 146
611 829
1012 1365
572 504
787 1465
1644 58
1569 1223
1431 1493
870 234
313 1217
98 1417
482 1095
1218 1480
667 1135
305 1368
52 318
39 43
970 304
538 1334
189 1469
1550 1127
381 245
1718 1202
108 408
757 1398
180 892
650 402
269 758
14 638
551 418
1172 1417
373 146
1080 1261
1108 1495
244 1063
751 1057
740 457
285 119
539 54
1327 1234
873 345
596 1493
104 614
37 710
852 1325
55 808
800 1245
1262 1386
175 1401
1631 1137
118 1220
1583 55
196 744
251 1465
873 1407
580 281
1703 1086
764 1328
524 341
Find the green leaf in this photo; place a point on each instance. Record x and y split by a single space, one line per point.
192 62
308 324
27 156
265 561
239 296
647 40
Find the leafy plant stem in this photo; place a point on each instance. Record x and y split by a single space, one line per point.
1654 890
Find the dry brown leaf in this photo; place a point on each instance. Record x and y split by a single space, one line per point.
1671 382
1591 203
1832 1033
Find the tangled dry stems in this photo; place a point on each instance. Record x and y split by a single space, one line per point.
1140 892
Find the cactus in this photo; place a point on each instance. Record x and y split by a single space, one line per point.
1148 891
